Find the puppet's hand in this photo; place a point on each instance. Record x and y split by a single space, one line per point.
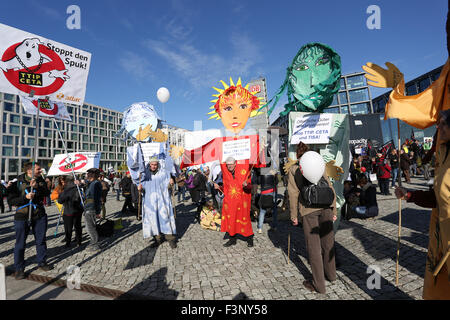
382 78
144 133
289 164
333 171
176 151
159 136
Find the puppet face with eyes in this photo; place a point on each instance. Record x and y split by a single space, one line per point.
314 76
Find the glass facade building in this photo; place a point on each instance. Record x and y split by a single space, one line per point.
92 129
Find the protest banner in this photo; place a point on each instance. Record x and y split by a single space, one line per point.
80 162
29 62
49 108
237 149
312 129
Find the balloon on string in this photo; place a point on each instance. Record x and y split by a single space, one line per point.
312 166
163 94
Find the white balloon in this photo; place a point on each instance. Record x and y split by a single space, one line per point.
163 94
312 166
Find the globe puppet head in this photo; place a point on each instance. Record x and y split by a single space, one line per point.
314 76
234 106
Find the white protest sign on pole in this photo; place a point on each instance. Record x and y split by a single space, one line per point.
31 62
151 149
237 149
312 129
49 108
79 161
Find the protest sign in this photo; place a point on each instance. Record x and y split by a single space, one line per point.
48 108
312 129
79 161
237 149
30 62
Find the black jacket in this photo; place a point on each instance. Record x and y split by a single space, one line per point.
70 198
17 197
267 182
405 162
393 160
368 196
125 185
200 182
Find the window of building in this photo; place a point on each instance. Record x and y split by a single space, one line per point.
343 97
102 132
359 108
85 146
69 145
81 129
42 143
92 123
26 120
26 152
342 84
411 90
9 97
7 139
85 113
13 165
47 133
30 141
105 140
8 106
110 118
14 118
93 147
95 130
355 81
46 123
332 110
60 144
7 151
42 153
70 109
344 109
423 84
31 131
358 95
105 148
110 126
74 128
335 100
14 129
105 117
74 136
111 149
102 124
95 139
95 108
86 138
92 114
82 120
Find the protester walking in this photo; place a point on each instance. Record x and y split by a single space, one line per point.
267 199
93 206
125 185
105 190
73 211
116 186
404 165
23 193
393 161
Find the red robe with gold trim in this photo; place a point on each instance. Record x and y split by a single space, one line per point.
237 200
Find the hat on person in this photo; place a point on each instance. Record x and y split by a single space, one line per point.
230 160
128 172
94 171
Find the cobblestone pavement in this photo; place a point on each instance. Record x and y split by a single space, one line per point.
201 268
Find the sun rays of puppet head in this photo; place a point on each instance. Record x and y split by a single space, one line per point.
234 105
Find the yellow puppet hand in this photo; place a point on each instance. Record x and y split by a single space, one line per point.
382 78
333 171
144 133
159 136
289 164
176 151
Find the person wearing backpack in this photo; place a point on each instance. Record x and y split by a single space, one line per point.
317 222
73 210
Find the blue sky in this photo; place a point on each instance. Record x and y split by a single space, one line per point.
189 45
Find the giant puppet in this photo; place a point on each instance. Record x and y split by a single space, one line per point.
238 154
422 111
312 79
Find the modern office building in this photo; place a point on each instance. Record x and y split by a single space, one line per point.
92 129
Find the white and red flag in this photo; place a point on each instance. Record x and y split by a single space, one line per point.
48 108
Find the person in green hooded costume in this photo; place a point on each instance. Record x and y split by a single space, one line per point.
312 79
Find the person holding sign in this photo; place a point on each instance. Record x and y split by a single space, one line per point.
158 218
236 203
23 193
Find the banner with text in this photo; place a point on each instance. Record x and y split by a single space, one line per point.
312 129
79 161
30 62
237 149
46 108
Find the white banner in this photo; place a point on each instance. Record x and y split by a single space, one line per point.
152 149
80 161
312 129
238 149
30 62
47 108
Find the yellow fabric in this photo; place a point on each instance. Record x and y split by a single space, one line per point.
59 206
422 111
209 219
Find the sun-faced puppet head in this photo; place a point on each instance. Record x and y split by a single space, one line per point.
234 106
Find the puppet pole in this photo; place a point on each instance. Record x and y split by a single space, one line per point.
441 263
139 198
70 163
289 246
35 155
399 207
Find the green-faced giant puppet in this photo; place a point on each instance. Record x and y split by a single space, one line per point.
312 79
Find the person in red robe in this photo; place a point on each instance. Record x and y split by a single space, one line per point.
237 201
